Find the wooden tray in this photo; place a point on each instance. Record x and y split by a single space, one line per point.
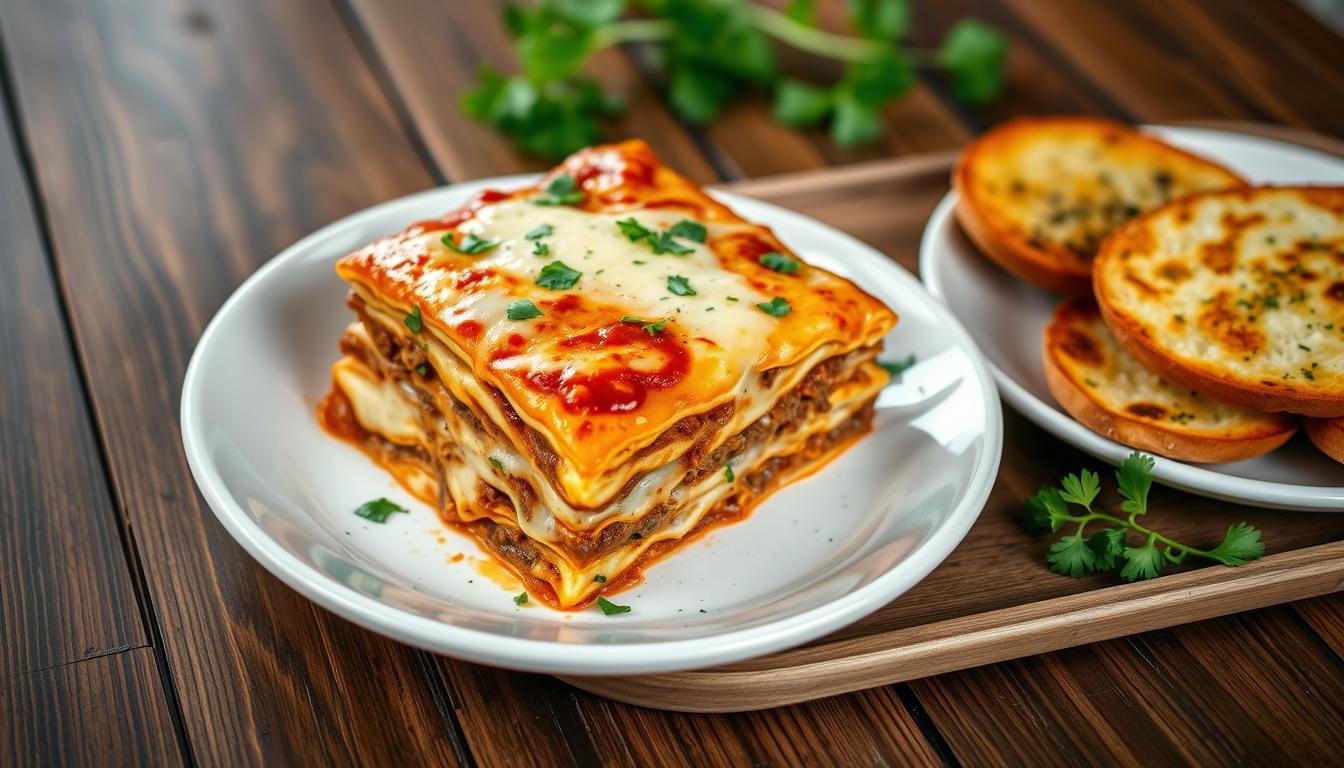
993 599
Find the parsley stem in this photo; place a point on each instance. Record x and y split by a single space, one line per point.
1151 534
813 40
634 31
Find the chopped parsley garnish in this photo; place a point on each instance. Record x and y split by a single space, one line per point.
378 510
541 249
470 244
776 307
1304 347
558 277
651 327
897 367
539 231
414 321
611 609
661 242
728 472
689 230
563 190
600 579
1308 375
732 298
680 285
496 463
523 309
664 243
633 230
520 599
779 262
639 263
422 369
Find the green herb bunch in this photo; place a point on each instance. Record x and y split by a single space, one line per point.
1077 553
711 51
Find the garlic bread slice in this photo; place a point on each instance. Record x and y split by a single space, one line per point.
1038 195
1328 435
1107 390
1237 294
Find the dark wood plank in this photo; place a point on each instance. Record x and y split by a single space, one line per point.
1251 689
68 594
176 150
528 720
431 51
1167 61
108 710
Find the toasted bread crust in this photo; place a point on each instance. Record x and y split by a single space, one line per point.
1075 350
1006 238
1328 435
1236 288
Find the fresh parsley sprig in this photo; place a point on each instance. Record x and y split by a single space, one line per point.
711 52
1077 554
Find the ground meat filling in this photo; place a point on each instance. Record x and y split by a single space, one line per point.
398 360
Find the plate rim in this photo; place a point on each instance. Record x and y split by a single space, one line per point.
1192 478
549 656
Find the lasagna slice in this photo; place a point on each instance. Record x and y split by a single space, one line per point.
586 373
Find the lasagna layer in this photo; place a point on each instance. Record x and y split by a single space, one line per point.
724 306
469 501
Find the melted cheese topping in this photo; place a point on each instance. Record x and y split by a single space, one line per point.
597 388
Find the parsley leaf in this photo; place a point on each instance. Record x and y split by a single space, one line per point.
664 243
523 309
422 369
520 599
1071 556
728 472
1107 544
1134 477
972 53
539 231
1081 491
378 510
1241 545
611 609
496 463
779 263
414 321
1143 562
652 327
600 579
799 104
562 190
689 230
680 286
633 230
470 244
541 249
776 307
897 367
558 277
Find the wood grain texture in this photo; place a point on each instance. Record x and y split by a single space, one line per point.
175 152
67 593
107 711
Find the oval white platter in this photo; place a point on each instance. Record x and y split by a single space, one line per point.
1007 317
814 557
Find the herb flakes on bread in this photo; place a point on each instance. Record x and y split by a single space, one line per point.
1237 294
1038 195
1108 391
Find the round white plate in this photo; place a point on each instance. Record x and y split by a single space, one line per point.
814 557
1008 316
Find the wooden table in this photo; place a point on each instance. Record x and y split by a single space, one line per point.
154 153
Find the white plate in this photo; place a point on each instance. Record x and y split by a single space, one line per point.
814 557
1008 316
